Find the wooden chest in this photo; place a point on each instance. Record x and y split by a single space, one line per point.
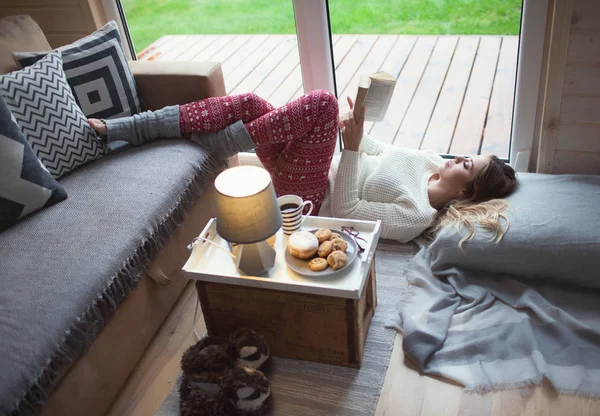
302 326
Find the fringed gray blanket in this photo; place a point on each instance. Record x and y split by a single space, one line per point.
508 315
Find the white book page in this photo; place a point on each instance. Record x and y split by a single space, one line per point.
377 100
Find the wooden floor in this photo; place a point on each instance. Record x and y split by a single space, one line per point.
405 392
454 93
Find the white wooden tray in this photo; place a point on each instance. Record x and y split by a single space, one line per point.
211 264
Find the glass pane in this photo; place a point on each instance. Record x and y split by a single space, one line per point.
254 40
455 65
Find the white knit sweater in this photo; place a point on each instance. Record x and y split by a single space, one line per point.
386 183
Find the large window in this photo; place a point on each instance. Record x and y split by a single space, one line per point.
455 60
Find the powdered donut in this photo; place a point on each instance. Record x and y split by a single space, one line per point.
303 245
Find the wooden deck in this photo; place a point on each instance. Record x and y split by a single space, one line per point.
454 93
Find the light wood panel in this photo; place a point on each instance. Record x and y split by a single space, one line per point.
395 61
252 61
406 85
586 13
218 44
291 86
53 19
557 58
157 371
93 12
575 138
235 45
272 81
189 47
181 47
443 122
62 21
370 64
353 60
265 66
583 162
155 50
584 43
469 129
407 392
580 109
497 125
542 91
342 47
340 50
233 61
413 127
59 39
582 78
37 3
284 69
579 137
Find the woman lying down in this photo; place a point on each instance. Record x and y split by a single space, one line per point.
410 191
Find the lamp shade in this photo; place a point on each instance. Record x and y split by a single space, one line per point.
247 208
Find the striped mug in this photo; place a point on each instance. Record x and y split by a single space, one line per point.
291 207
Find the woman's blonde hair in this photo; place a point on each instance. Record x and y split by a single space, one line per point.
480 204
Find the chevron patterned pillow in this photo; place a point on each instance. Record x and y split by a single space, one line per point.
25 185
45 109
98 73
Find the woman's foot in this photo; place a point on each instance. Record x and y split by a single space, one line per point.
98 125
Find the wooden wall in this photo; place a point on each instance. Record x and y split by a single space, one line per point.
63 21
569 141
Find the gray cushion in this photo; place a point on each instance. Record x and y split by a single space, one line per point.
553 234
97 71
45 109
66 269
25 185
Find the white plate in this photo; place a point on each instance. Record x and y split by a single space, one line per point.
301 266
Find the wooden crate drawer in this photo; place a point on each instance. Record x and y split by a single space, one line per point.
295 325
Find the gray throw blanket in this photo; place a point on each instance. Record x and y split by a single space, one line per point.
508 315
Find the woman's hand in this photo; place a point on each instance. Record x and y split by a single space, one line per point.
352 129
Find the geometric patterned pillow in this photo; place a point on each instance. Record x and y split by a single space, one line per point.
45 109
98 73
25 185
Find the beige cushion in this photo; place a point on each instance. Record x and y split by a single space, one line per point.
19 33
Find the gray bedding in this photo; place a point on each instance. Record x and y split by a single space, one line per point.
64 270
507 315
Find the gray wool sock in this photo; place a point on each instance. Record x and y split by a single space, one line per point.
143 127
227 142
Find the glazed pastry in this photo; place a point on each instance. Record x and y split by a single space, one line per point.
325 249
336 260
334 236
303 245
323 235
317 265
339 245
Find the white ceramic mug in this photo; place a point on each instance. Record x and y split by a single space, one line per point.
291 207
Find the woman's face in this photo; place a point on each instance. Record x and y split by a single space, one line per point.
456 172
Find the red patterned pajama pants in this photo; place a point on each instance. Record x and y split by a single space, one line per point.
295 142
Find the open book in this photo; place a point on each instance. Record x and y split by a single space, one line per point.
374 93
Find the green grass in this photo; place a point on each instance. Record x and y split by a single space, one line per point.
151 19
